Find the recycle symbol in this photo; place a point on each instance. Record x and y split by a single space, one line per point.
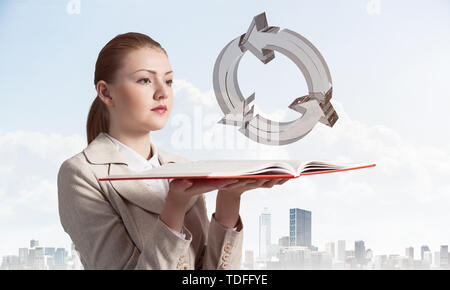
262 40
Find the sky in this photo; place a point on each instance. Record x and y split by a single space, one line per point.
390 67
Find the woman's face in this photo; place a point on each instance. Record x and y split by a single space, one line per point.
143 83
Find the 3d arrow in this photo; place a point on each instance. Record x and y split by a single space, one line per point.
262 40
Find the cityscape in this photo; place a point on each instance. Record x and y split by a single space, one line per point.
42 258
290 253
297 252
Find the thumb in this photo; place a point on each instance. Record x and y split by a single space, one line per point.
181 183
187 183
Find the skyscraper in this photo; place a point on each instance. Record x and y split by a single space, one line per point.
249 260
409 252
34 243
341 250
437 257
299 227
49 251
329 248
264 234
23 256
360 252
443 257
31 260
283 241
423 249
39 258
427 257
60 259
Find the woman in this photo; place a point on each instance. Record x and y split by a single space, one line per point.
143 224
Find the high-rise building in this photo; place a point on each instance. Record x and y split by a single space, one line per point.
443 257
264 235
31 258
423 249
380 262
50 251
369 255
283 241
34 243
75 262
299 227
427 257
10 262
249 260
329 248
350 258
39 258
23 256
295 257
73 250
49 262
437 258
409 252
60 259
360 252
341 250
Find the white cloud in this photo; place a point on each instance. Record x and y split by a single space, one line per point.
28 193
278 115
402 201
184 89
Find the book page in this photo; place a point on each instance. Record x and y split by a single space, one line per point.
317 166
220 168
225 167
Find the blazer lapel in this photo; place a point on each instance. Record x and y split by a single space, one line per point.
102 151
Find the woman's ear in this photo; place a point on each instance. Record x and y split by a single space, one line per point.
104 93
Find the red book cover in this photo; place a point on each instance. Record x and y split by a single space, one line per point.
235 176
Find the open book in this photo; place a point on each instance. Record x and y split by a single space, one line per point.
239 169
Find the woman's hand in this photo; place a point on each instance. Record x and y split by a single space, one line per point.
181 190
251 183
229 198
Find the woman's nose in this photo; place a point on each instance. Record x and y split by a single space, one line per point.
162 90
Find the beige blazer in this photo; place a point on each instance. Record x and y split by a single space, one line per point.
116 224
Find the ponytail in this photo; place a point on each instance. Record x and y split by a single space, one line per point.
97 120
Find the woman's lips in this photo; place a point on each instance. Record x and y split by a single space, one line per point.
160 109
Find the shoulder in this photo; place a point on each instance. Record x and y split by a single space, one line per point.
75 169
74 163
77 183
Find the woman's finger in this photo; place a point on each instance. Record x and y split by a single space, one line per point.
258 182
202 186
283 181
181 184
239 185
270 183
251 183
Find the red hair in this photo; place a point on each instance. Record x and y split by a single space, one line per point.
108 62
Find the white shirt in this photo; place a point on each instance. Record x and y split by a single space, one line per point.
138 163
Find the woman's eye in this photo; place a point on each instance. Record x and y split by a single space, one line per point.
144 80
169 82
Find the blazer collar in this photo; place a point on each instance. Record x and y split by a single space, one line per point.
103 151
